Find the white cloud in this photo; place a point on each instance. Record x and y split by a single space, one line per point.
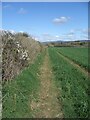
22 11
61 20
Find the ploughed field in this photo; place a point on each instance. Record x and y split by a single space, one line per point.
55 85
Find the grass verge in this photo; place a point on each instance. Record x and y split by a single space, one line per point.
19 92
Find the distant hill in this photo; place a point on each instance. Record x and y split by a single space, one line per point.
67 43
61 41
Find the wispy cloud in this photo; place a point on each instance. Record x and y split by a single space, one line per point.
85 31
49 37
70 33
61 20
22 11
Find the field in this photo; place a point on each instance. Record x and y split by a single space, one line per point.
53 86
72 84
78 55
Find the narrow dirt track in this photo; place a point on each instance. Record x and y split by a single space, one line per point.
48 105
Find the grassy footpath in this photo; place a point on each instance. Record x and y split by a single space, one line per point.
73 86
78 55
21 90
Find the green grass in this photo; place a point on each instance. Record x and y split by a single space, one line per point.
78 55
21 90
73 87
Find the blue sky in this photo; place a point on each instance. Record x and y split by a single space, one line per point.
47 21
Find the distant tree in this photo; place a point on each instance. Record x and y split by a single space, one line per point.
77 41
82 43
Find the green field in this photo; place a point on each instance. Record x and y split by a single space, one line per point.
73 86
78 55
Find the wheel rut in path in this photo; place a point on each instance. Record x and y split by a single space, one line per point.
47 106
